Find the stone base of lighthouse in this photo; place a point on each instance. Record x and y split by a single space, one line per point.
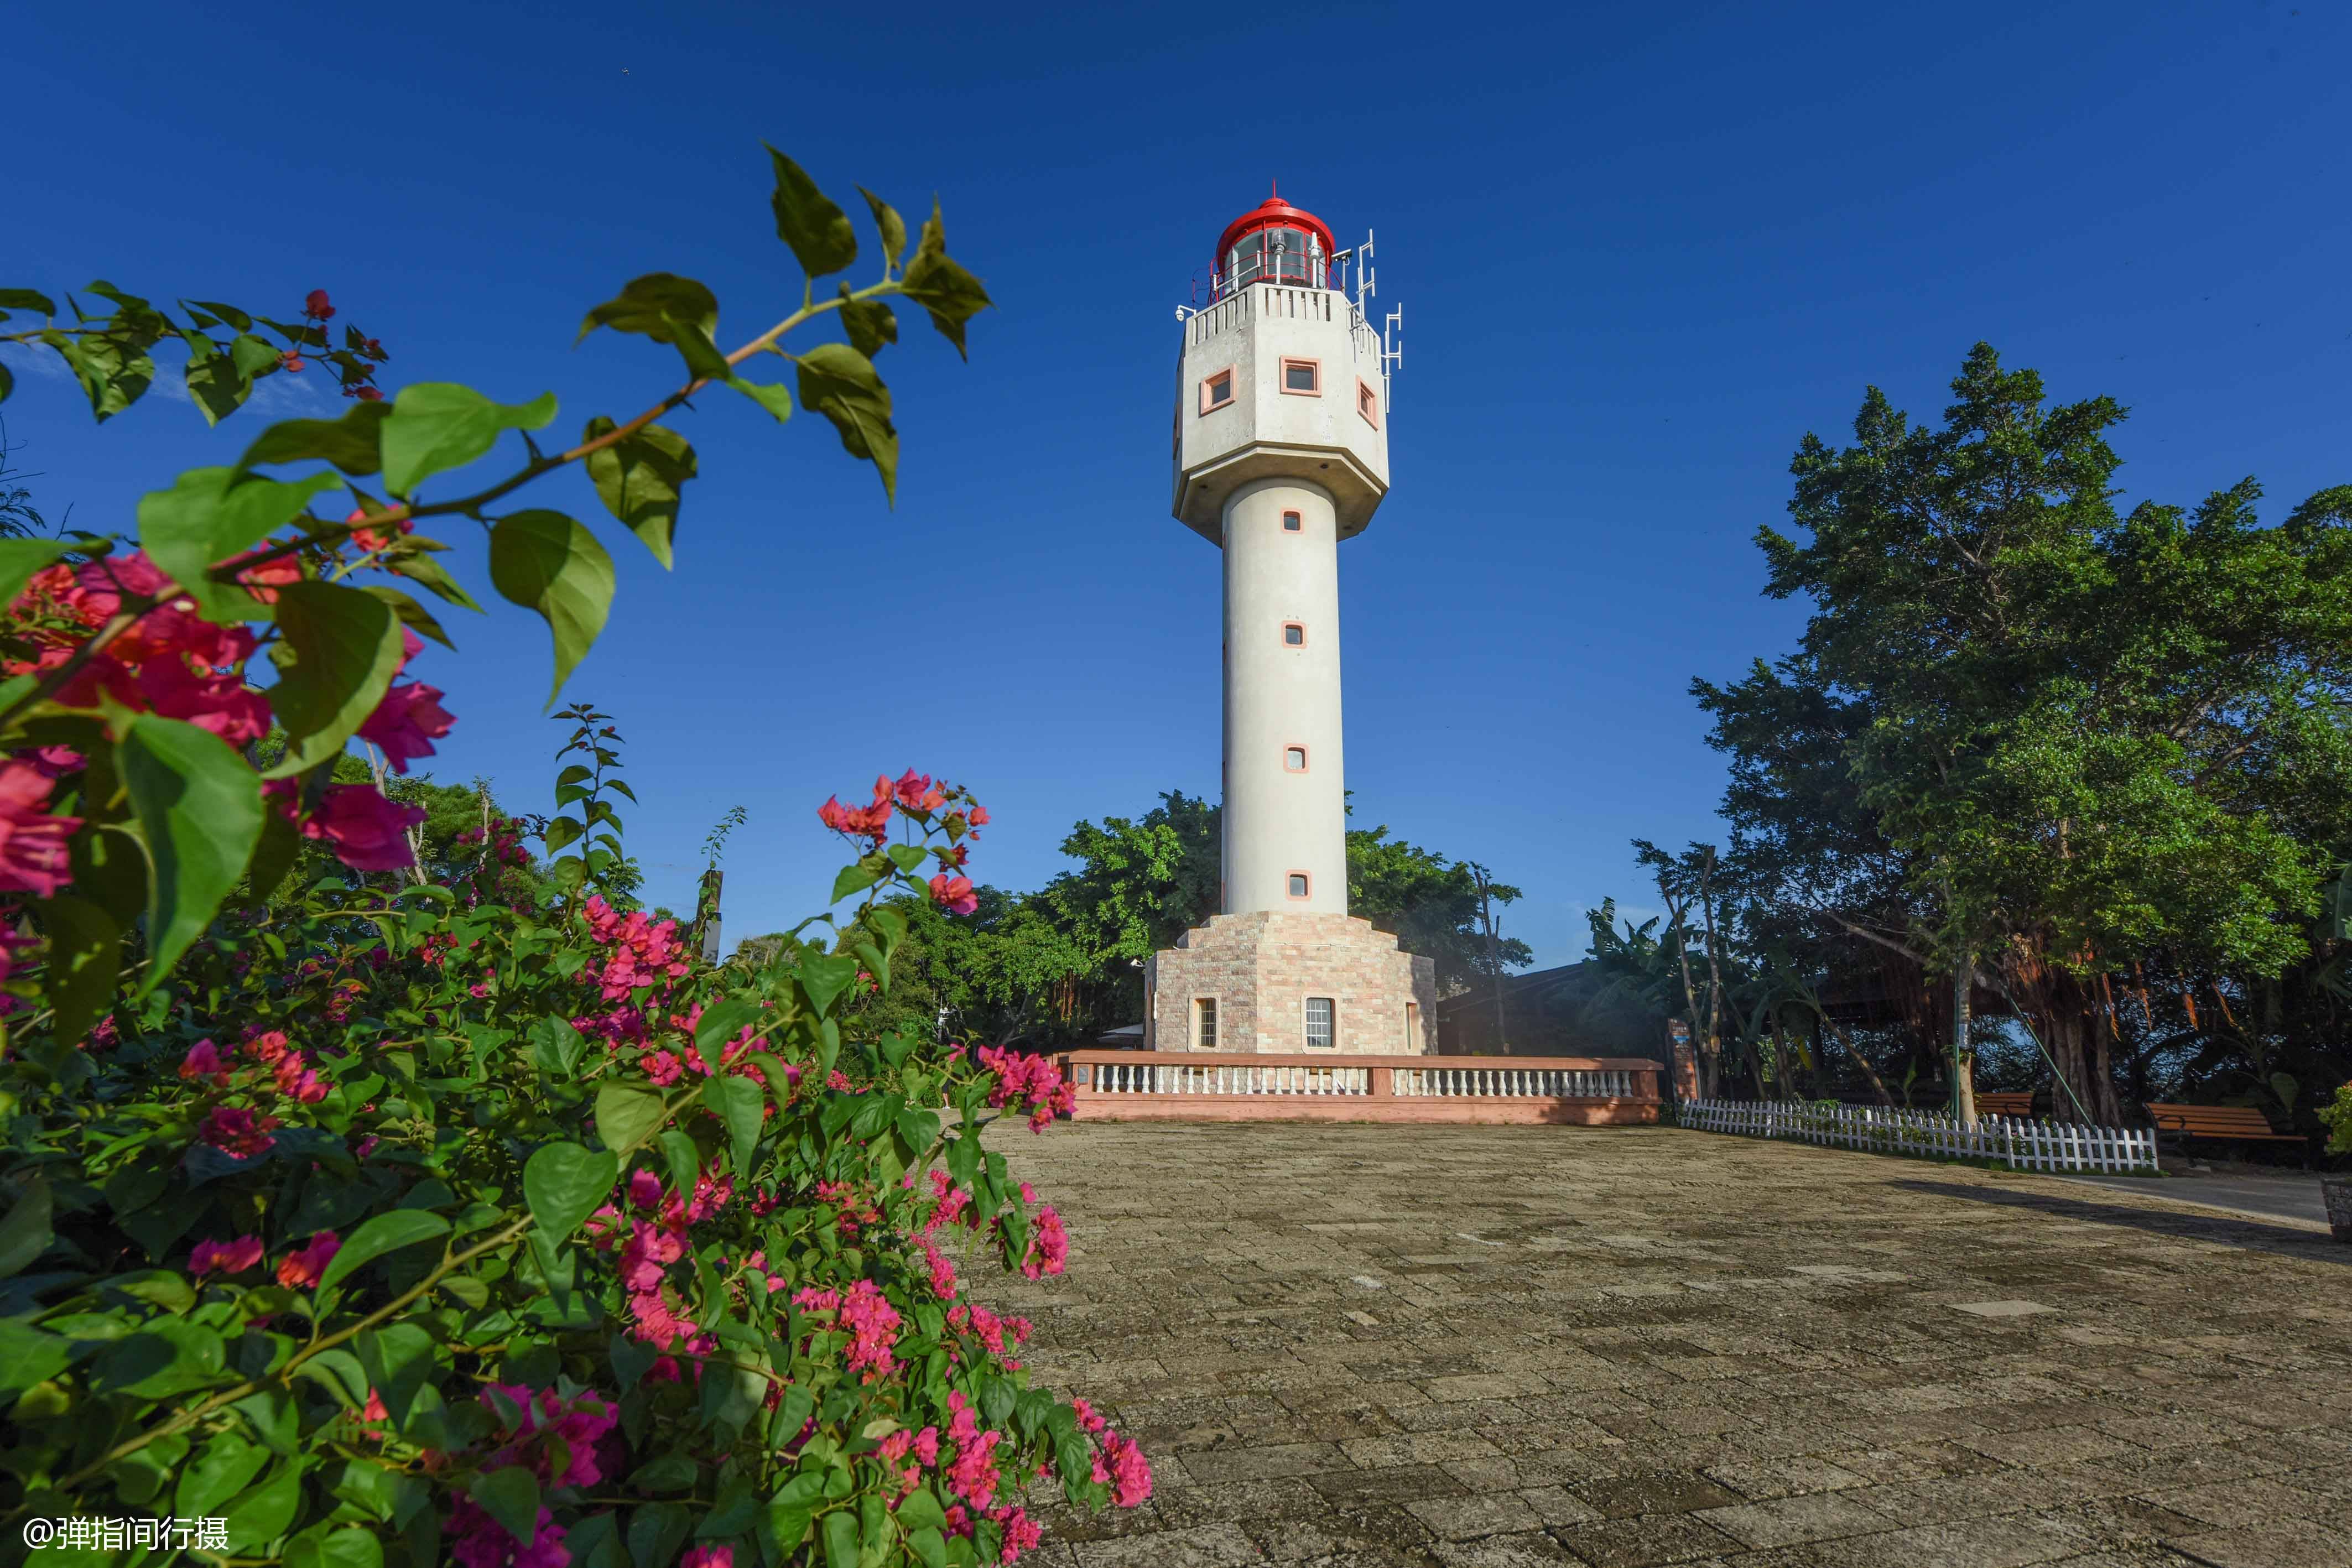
1259 972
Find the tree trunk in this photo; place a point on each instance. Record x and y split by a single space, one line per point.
1964 1085
1877 1084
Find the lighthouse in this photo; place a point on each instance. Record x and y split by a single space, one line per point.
1281 452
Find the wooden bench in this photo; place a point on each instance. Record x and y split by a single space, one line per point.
2243 1121
2005 1102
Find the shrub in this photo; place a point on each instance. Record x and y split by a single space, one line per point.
394 1220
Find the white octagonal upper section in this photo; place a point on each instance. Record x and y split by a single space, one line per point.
1245 411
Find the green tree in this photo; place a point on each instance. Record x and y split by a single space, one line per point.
2028 738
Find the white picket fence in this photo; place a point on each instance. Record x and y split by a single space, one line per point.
2014 1141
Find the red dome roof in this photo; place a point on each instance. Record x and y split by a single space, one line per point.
1274 212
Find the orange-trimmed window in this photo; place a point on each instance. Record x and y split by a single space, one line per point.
1204 1023
1322 1023
1294 634
1216 390
1290 523
1294 759
1298 885
1368 403
1302 378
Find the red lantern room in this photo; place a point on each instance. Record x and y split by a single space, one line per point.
1274 242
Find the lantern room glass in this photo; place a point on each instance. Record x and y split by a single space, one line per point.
1280 255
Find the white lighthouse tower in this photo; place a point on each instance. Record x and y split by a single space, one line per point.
1281 452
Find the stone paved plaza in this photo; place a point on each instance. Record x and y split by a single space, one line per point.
1507 1346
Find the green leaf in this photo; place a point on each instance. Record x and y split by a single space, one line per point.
839 383
384 1233
825 977
263 1513
224 1465
720 1023
252 356
229 313
808 221
27 1356
435 426
510 1496
939 285
352 444
841 1538
8 382
920 1510
413 615
626 1114
564 1184
640 479
210 514
857 878
199 807
684 1159
772 396
545 561
19 559
345 646
870 323
557 1046
657 305
84 959
425 570
892 226
736 1103
215 385
907 858
398 1359
25 1234
26 300
347 1546
656 1530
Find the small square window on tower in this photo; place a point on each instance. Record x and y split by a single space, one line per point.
1204 1023
1321 1034
1302 378
1368 403
1294 634
1298 885
1216 390
1294 759
1290 523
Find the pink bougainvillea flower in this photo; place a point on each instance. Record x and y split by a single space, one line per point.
858 822
33 843
204 1062
915 793
368 832
1049 1245
226 1257
955 894
709 1557
237 1132
645 1190
407 722
300 1270
265 1045
315 306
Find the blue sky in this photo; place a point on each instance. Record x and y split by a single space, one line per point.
1641 250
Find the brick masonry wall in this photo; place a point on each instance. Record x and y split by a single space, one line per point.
1261 967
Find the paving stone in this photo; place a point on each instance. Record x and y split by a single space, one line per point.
1978 1543
1792 1521
1469 1518
1655 1330
1644 1542
2278 1545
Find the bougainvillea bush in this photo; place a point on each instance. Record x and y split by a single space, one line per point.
389 1220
